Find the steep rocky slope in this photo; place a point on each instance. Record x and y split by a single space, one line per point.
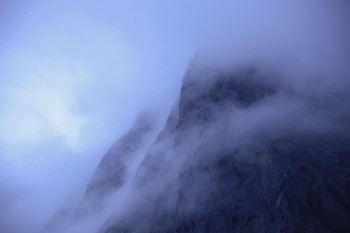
114 168
243 152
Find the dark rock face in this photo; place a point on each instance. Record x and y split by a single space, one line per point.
242 88
304 187
228 163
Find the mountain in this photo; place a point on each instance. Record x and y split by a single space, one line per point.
243 150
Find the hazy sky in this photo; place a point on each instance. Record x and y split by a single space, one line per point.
73 70
74 75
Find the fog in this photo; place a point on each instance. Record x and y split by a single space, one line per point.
74 76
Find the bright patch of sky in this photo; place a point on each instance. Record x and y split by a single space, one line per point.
42 104
56 69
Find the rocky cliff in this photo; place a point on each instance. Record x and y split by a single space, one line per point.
242 151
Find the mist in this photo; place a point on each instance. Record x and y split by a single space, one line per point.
75 76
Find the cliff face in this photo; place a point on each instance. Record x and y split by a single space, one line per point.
116 165
242 152
112 170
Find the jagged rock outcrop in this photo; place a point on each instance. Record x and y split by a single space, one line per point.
114 168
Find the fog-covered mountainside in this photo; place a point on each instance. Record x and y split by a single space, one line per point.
112 171
111 175
243 150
